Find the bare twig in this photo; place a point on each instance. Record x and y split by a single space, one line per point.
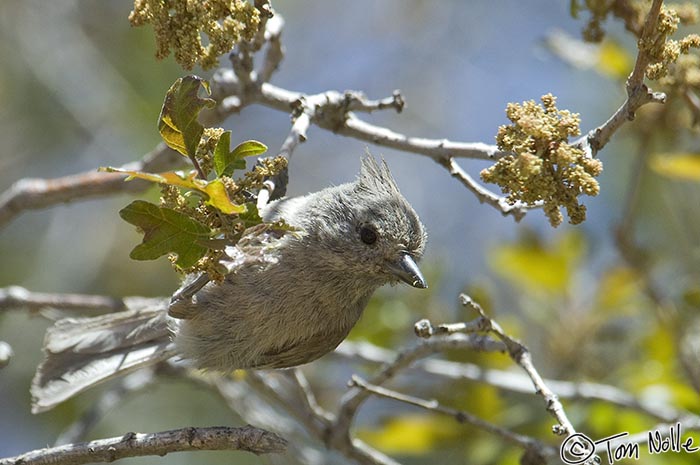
484 195
306 395
315 425
437 149
460 416
354 398
274 52
516 382
334 112
264 384
517 351
247 438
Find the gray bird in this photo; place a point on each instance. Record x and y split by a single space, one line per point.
289 310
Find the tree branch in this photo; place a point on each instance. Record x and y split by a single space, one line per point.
638 94
353 399
33 193
19 297
247 438
517 210
517 351
516 382
525 442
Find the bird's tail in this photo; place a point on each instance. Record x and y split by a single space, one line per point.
82 352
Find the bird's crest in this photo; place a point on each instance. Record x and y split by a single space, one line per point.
376 177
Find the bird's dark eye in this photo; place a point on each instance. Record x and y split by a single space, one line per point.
368 235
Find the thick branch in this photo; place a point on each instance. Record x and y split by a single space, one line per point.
333 111
247 438
18 297
31 193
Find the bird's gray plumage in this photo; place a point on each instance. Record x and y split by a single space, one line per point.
284 312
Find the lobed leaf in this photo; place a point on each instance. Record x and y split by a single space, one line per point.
166 231
177 124
251 217
227 160
218 198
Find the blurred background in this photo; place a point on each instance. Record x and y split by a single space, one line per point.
80 88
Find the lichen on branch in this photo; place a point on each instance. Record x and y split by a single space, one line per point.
544 167
179 26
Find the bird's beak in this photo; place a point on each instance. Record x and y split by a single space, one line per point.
406 270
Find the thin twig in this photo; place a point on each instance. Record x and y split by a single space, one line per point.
354 398
276 186
517 209
460 416
263 384
247 438
333 115
517 351
307 396
520 383
437 149
353 449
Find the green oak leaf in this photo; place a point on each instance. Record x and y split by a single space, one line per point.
226 160
166 231
251 217
177 124
214 191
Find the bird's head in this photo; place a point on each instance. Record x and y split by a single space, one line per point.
368 229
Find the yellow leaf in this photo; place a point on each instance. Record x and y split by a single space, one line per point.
677 165
411 434
614 60
533 267
218 198
214 191
617 290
